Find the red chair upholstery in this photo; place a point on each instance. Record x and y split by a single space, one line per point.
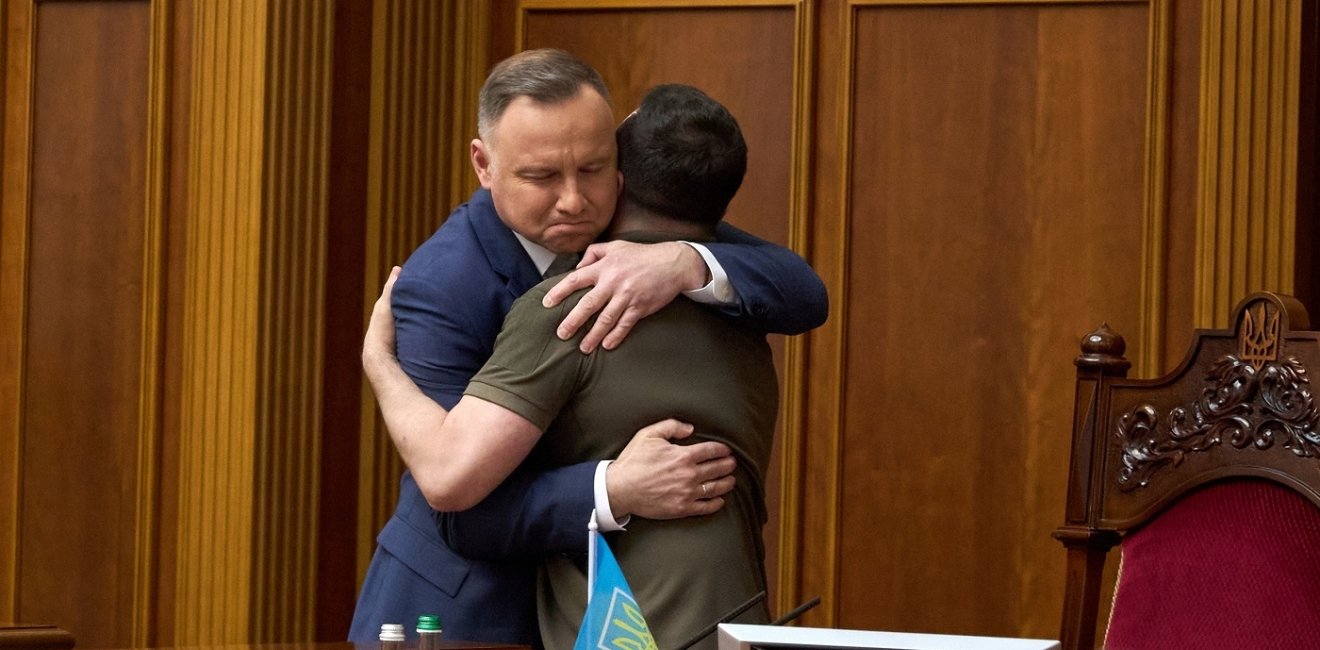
1210 479
1237 561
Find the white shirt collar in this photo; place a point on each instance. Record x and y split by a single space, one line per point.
541 256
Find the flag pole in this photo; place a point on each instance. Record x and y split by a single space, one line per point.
592 533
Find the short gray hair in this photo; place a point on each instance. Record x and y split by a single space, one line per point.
547 76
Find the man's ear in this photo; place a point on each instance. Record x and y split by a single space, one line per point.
481 162
619 185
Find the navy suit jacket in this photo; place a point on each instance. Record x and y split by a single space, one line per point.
449 304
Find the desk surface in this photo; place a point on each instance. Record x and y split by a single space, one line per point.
408 645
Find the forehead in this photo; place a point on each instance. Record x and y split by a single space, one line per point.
583 124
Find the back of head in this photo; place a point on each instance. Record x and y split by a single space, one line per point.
547 76
682 155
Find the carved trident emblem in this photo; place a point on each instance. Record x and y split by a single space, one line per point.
1258 340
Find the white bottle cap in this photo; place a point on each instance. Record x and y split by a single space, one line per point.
391 632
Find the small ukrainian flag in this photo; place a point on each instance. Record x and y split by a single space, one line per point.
613 620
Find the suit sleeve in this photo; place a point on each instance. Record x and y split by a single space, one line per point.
777 290
443 339
530 514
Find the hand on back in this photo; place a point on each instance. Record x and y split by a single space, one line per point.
628 283
658 479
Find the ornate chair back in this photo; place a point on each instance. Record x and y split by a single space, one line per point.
1209 477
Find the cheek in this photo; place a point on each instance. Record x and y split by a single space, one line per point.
524 204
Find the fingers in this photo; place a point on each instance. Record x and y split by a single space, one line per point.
591 302
389 286
615 335
670 429
707 451
593 254
628 283
378 341
607 323
717 488
699 508
579 279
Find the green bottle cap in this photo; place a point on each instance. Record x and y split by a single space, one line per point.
428 623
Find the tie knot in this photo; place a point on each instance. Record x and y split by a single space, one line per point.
563 263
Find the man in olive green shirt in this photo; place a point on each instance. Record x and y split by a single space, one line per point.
683 158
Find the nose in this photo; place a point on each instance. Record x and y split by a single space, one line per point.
571 200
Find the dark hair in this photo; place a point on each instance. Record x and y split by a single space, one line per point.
682 155
546 75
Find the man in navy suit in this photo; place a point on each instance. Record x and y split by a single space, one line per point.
545 157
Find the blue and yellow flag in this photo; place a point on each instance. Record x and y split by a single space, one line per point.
613 620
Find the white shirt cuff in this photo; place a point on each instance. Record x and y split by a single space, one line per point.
718 291
605 520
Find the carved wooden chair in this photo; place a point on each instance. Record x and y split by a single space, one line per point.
1209 478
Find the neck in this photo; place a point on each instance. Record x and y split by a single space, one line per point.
631 218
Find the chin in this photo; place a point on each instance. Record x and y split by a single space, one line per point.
573 244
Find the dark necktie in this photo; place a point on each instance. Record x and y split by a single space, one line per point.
563 263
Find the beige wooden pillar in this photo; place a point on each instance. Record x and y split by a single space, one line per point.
1246 213
249 438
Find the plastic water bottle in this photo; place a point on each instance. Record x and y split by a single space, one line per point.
428 632
391 636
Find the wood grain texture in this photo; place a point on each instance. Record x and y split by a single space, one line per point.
175 317
1184 114
995 211
755 82
149 432
426 72
1251 54
83 326
222 256
15 143
978 182
290 304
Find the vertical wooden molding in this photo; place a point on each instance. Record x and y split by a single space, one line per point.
826 457
254 322
1155 219
16 34
217 420
371 509
291 238
152 346
792 406
1246 208
429 61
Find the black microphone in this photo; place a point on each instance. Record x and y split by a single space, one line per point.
727 617
797 611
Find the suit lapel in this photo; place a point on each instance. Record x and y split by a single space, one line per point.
505 253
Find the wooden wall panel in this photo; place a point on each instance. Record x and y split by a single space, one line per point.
217 434
979 183
1306 279
15 88
178 63
1183 114
427 68
746 58
252 322
743 57
995 216
84 319
289 368
350 126
1248 153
